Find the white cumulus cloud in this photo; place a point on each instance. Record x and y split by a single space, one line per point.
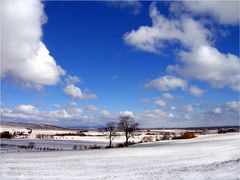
160 103
206 63
183 116
153 38
224 12
26 109
126 113
217 110
165 83
76 92
24 55
167 96
200 59
196 91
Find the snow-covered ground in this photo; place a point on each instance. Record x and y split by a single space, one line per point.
205 157
91 136
66 142
48 143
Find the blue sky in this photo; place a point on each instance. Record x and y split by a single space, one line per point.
164 65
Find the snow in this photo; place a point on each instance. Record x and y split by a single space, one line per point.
65 143
58 142
205 157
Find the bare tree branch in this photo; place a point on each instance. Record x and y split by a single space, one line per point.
128 125
110 131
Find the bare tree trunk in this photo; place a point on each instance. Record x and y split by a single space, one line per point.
110 142
128 126
126 143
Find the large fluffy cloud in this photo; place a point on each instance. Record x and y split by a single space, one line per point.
152 38
199 59
224 12
26 109
166 83
24 56
208 64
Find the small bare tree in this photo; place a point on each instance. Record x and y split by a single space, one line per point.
110 131
128 125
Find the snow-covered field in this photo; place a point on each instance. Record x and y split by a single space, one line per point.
48 143
205 157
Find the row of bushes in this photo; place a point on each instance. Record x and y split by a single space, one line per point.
6 134
120 145
44 136
70 134
157 138
168 136
30 147
48 149
185 135
51 136
85 147
222 131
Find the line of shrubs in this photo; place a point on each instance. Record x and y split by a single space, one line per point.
120 145
30 146
229 130
117 145
44 136
70 134
51 136
6 134
167 136
185 135
85 147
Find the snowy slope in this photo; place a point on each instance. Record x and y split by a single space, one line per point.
207 157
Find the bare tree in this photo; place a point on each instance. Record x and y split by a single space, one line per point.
110 131
128 125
